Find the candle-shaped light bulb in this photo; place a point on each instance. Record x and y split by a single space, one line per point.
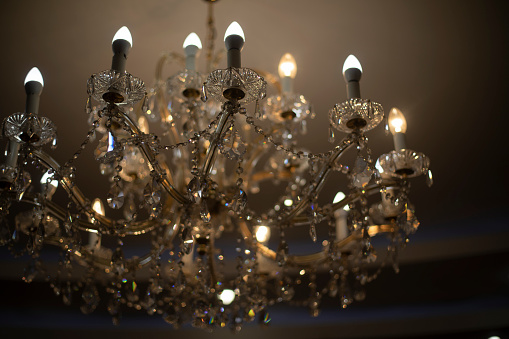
352 72
234 41
287 71
121 45
192 46
397 126
33 89
123 34
192 40
351 62
34 75
287 66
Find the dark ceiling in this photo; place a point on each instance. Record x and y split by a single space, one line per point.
443 63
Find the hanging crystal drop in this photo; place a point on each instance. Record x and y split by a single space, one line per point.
114 309
312 232
429 178
377 177
204 92
187 240
282 253
54 143
115 196
88 107
204 211
332 287
117 260
258 114
331 134
144 106
386 126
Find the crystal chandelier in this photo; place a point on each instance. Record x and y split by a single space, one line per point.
185 193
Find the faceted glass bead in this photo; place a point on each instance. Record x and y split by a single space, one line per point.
116 196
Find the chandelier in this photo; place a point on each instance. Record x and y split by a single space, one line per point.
185 192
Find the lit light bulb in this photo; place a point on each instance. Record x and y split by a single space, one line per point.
123 34
397 121
227 296
262 234
34 75
47 176
351 62
340 196
98 206
234 29
287 66
192 40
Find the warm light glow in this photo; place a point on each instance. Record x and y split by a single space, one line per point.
262 233
288 202
123 34
351 62
397 121
52 182
98 206
143 124
340 196
287 66
192 40
34 75
494 337
227 296
234 29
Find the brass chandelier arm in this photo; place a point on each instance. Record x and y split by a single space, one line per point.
320 178
165 176
80 200
313 259
210 157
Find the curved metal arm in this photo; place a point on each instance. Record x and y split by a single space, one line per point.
149 155
319 179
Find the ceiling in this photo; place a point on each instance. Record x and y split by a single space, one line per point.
443 63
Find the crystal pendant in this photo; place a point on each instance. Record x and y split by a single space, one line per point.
151 193
258 114
429 178
88 107
114 309
361 173
204 211
331 135
117 260
312 232
54 143
116 196
239 201
303 127
187 240
282 253
196 189
314 306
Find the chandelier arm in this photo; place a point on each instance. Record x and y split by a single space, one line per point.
80 200
320 178
212 150
149 155
311 260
